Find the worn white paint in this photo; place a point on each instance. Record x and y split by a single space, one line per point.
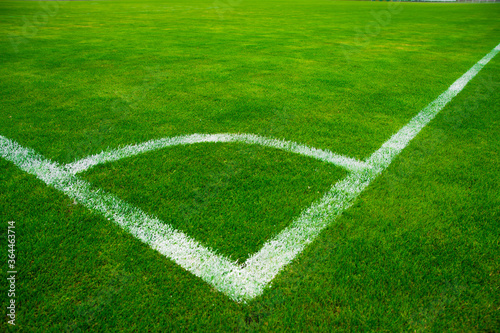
239 283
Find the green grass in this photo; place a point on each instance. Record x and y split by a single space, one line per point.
233 197
417 252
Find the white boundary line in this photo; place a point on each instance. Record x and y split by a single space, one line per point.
348 163
240 284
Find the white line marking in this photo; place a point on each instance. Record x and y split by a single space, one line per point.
240 284
383 157
182 249
348 163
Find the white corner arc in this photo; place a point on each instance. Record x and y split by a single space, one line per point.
110 155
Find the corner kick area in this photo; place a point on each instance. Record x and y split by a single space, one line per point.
239 282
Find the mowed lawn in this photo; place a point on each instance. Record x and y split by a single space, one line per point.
419 250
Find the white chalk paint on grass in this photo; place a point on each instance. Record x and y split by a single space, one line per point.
227 276
348 163
239 283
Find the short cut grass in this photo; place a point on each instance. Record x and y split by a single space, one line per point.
417 252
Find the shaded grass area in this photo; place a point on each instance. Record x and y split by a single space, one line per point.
231 197
417 252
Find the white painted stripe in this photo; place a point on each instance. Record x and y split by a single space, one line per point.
384 156
348 163
240 284
281 250
182 249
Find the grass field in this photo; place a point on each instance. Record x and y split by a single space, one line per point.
417 251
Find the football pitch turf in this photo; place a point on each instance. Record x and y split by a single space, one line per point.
234 166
